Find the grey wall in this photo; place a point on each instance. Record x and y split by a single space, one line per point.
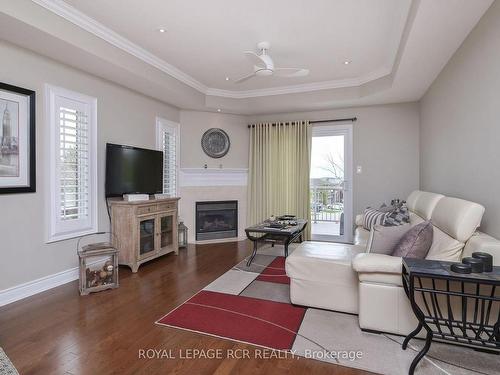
195 123
123 117
460 123
386 145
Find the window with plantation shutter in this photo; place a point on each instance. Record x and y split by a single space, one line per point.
73 189
167 140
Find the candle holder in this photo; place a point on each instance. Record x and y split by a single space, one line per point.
477 265
461 268
183 234
486 258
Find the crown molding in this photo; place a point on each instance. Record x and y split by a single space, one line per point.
89 24
78 18
301 88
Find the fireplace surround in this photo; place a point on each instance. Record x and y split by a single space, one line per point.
216 220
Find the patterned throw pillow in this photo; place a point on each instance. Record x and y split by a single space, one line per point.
372 217
398 216
386 208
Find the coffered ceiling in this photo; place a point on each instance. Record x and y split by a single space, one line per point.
394 48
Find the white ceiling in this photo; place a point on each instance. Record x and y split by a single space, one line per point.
206 39
397 47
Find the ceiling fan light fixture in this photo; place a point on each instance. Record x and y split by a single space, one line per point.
162 30
347 62
263 65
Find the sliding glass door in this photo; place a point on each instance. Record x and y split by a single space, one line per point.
331 183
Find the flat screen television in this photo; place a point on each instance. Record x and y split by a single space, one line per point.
133 170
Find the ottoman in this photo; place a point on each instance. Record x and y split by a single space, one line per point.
321 276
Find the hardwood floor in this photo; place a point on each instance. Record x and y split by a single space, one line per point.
59 332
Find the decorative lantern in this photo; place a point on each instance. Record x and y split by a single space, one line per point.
98 267
183 234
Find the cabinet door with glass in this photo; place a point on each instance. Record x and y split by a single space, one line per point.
167 233
147 237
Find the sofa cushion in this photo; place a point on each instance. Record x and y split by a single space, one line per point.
323 261
457 217
378 268
411 201
423 203
444 247
383 239
416 242
359 220
415 219
377 263
484 243
381 278
361 236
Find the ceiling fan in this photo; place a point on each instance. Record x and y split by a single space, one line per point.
264 65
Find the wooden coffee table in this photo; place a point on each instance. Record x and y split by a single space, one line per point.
263 233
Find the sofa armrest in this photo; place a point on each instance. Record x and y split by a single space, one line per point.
482 242
359 220
377 263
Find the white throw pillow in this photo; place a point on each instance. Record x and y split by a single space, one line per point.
383 239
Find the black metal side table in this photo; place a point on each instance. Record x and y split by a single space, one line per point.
463 309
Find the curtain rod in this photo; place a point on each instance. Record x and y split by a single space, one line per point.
317 121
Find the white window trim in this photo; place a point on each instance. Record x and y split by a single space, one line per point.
53 232
164 124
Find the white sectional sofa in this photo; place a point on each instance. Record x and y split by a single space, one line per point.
346 278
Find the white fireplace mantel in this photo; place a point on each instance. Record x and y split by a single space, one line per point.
213 177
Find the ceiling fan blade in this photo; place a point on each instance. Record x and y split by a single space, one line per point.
255 59
244 78
290 72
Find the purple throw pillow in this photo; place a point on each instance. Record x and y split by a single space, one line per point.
416 242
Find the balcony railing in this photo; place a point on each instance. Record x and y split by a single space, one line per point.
333 217
327 203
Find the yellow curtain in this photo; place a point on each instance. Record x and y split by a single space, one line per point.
279 164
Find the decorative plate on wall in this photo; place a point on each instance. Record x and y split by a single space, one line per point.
215 143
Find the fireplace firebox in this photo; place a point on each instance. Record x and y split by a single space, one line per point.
216 220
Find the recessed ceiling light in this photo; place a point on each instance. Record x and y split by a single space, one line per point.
227 78
347 62
218 109
162 30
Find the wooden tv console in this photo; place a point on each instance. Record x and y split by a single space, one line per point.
144 230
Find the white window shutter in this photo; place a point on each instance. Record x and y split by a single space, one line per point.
73 166
167 134
73 177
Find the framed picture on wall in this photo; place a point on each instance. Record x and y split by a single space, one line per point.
17 140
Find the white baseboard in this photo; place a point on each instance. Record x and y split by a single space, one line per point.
42 284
